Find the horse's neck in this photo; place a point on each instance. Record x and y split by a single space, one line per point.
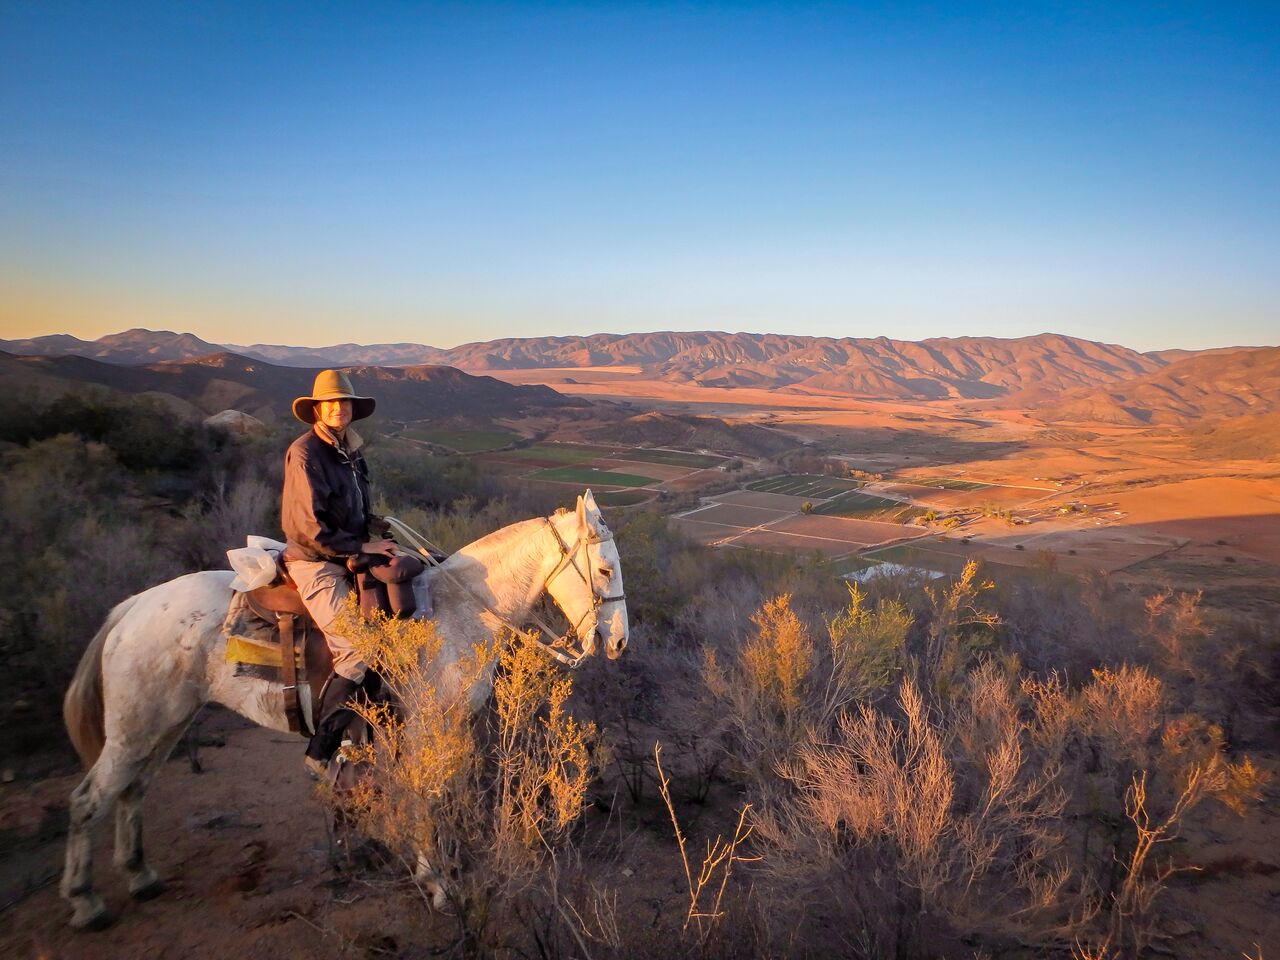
504 572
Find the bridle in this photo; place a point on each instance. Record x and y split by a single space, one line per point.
557 646
568 558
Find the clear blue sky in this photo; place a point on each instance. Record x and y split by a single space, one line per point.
317 172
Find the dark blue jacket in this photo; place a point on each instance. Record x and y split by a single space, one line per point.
325 508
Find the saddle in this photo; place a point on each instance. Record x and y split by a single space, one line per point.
296 646
305 660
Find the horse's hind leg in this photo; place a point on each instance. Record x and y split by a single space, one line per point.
144 882
113 771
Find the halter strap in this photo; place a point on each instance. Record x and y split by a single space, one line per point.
568 557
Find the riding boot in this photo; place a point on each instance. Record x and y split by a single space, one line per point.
334 717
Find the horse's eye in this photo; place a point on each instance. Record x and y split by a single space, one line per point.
607 572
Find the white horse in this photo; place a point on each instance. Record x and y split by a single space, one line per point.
160 656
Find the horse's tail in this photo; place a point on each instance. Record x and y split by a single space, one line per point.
82 707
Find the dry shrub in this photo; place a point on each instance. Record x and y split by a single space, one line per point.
896 821
545 759
783 687
1150 768
866 646
234 508
777 659
961 627
1121 712
986 799
1055 713
1207 660
424 756
1176 629
713 874
491 804
1130 923
760 692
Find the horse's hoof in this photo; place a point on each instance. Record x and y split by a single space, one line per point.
99 918
148 890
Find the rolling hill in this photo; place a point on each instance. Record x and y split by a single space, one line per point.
220 381
139 345
1207 386
130 347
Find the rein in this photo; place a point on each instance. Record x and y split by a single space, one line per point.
557 646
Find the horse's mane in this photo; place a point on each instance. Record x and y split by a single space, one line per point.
495 539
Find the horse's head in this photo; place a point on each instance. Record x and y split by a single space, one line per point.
587 585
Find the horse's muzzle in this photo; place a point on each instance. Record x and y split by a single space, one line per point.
614 640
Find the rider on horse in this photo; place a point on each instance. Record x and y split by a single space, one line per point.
325 514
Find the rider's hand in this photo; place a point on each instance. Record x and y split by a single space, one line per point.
388 548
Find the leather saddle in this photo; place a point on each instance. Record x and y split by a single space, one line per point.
305 660
306 663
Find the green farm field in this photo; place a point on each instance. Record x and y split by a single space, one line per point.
557 453
589 475
673 457
622 498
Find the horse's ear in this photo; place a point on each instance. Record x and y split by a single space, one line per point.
589 502
582 510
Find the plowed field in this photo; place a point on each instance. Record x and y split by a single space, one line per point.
770 501
706 532
737 515
776 540
861 532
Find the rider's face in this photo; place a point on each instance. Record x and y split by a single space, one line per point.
334 414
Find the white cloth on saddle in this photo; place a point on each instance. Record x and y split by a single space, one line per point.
254 563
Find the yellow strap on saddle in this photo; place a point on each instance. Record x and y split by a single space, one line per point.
245 650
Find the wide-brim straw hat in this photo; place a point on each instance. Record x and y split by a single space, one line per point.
332 385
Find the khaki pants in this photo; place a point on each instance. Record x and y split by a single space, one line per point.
324 590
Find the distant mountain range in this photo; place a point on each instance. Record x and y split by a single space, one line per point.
221 381
968 367
1066 377
149 346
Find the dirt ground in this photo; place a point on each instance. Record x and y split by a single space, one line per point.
1241 510
242 847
